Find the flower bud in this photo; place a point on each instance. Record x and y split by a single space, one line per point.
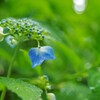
39 99
51 96
6 30
11 41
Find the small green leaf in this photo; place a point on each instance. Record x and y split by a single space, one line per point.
23 89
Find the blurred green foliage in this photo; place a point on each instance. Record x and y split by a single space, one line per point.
75 39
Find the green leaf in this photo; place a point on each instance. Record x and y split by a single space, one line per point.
73 91
23 89
94 84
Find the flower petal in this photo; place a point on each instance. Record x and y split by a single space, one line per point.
38 55
35 57
1 30
46 53
1 34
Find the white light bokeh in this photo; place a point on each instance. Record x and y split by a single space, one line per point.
79 6
79 2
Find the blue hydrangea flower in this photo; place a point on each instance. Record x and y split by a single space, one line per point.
39 54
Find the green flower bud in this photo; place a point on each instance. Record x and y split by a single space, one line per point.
24 29
51 96
39 99
11 41
6 30
14 42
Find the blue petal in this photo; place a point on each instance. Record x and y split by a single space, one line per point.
38 55
46 53
35 57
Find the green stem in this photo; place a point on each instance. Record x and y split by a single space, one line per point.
44 95
13 59
39 70
9 72
38 43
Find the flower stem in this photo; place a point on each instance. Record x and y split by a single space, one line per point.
13 59
9 71
44 95
38 43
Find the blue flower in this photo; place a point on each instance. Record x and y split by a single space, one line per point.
38 55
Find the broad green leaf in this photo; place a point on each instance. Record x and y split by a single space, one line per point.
23 89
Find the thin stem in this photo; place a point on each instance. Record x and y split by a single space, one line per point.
44 95
9 71
13 59
39 70
38 43
3 93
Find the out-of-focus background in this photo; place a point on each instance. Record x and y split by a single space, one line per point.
75 38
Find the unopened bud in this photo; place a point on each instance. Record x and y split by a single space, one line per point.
6 30
51 96
39 99
11 41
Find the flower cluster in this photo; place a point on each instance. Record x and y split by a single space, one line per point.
16 30
23 29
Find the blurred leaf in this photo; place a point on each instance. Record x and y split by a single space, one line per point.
94 84
1 86
22 89
73 91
